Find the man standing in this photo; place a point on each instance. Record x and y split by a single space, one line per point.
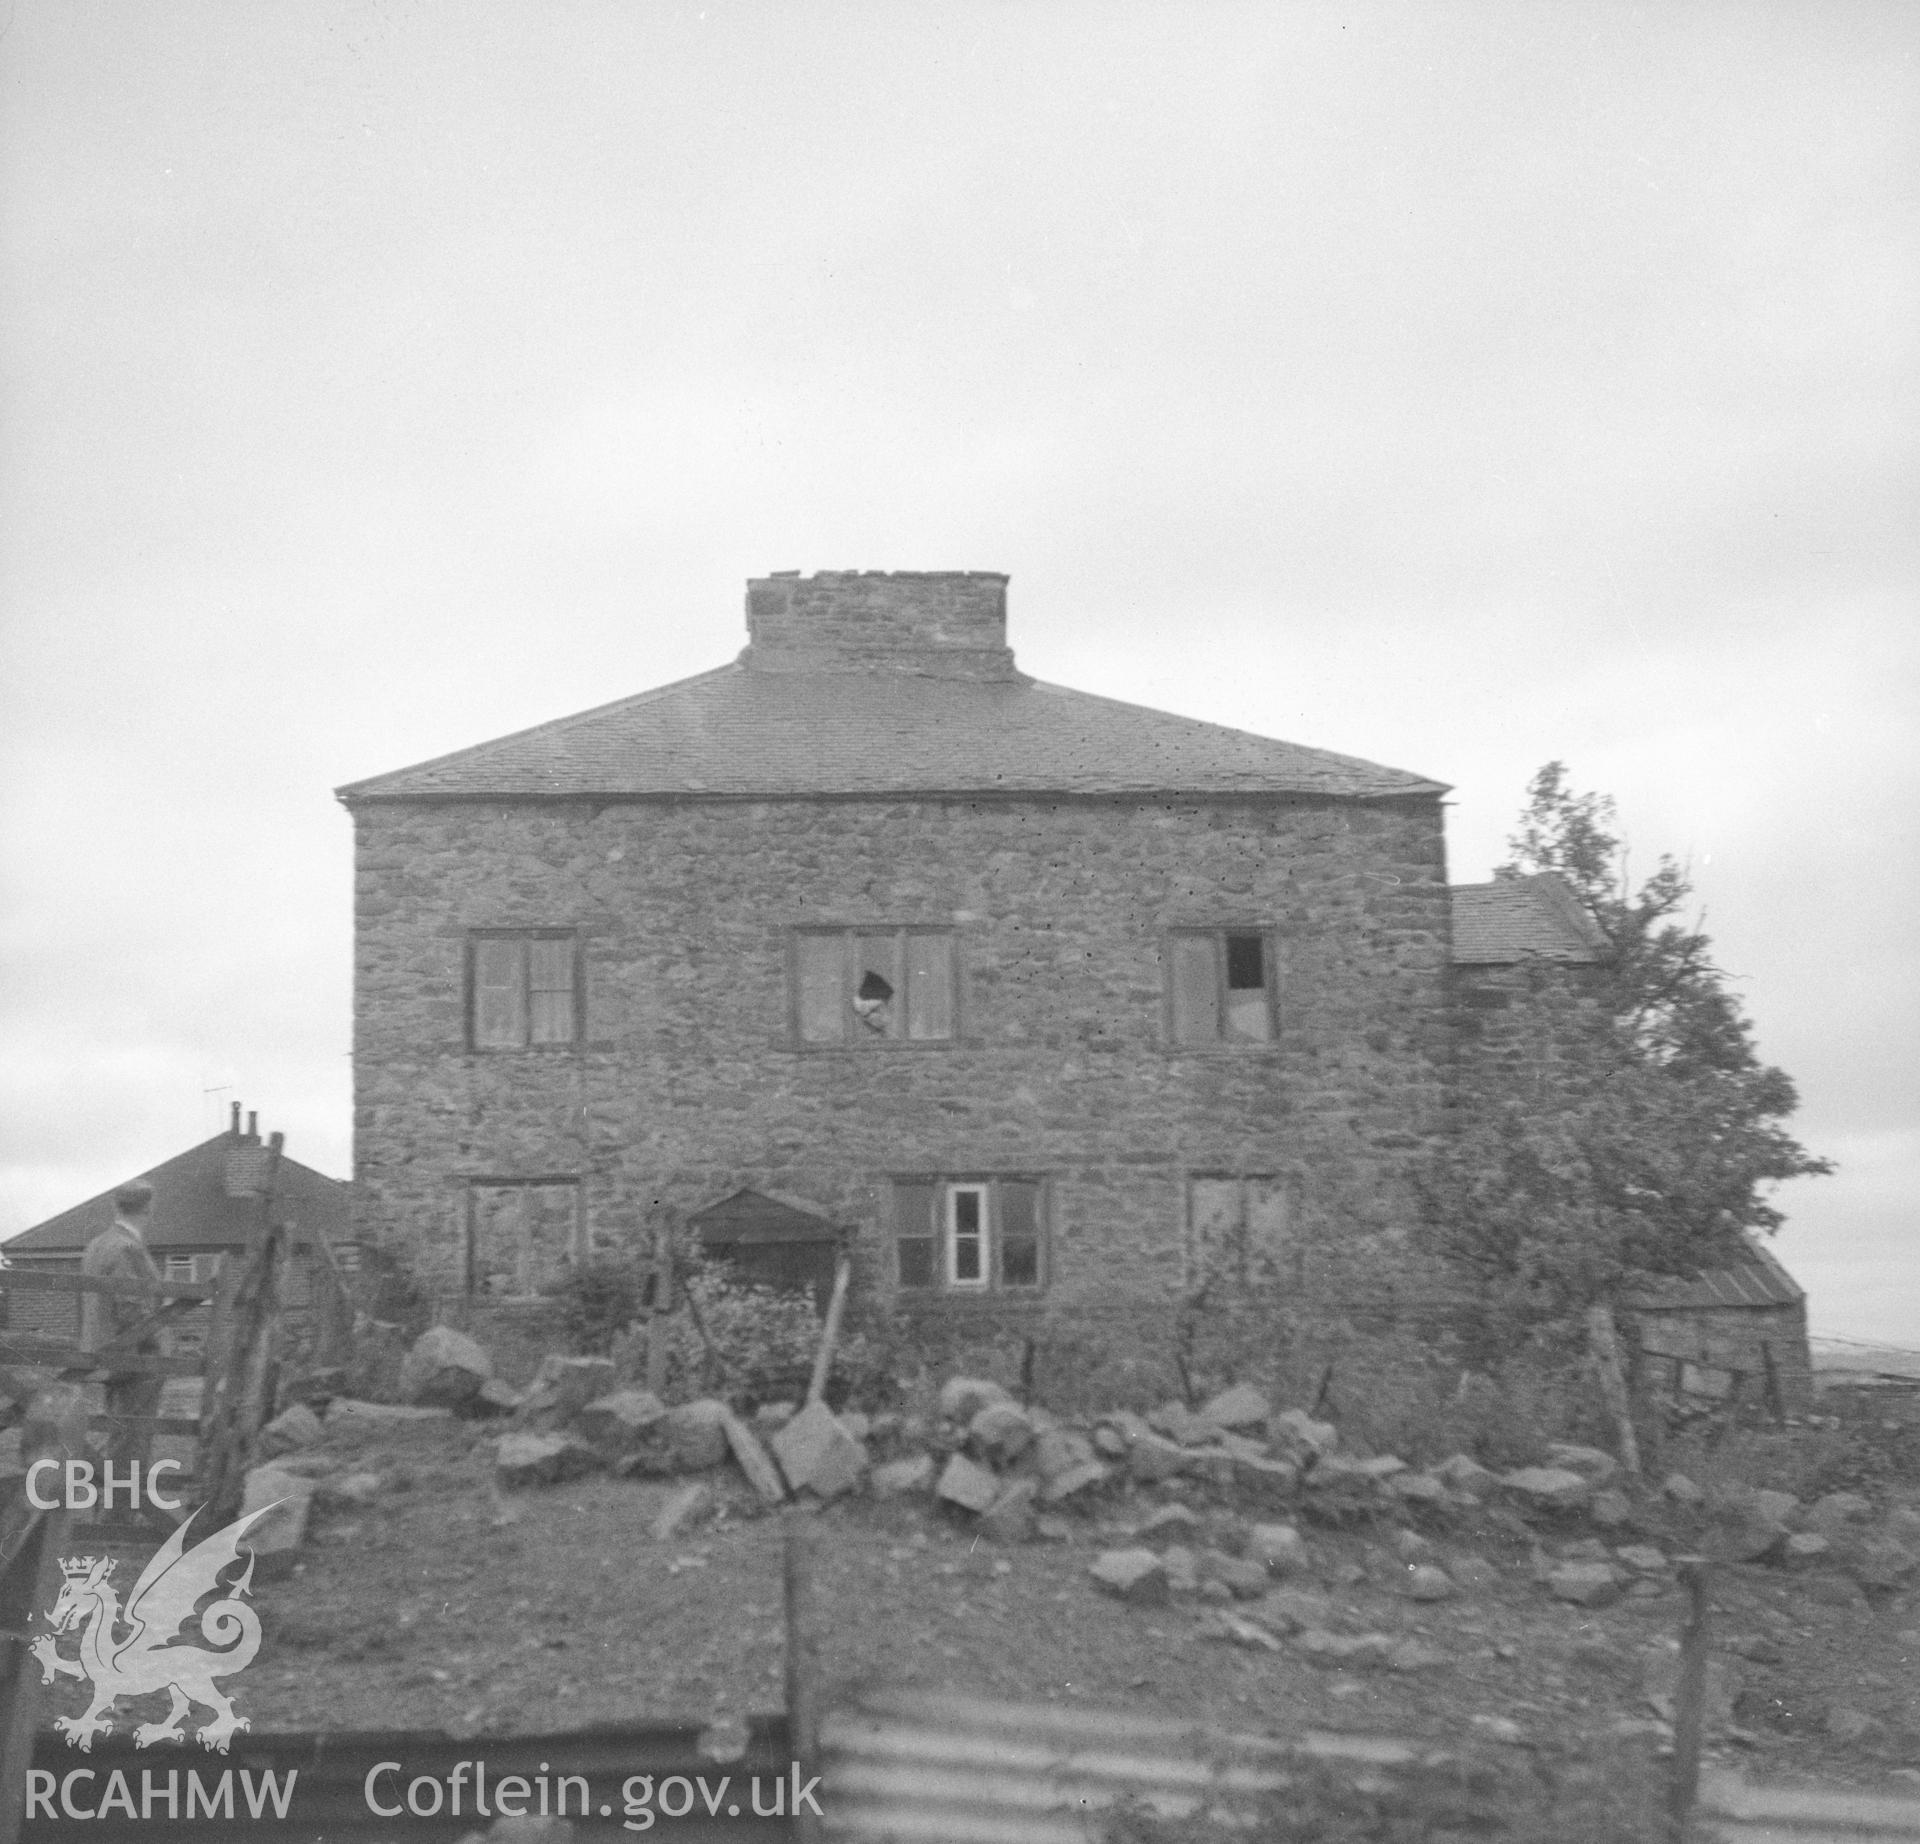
120 1254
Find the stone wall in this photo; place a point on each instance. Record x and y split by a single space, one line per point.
689 1083
1708 1357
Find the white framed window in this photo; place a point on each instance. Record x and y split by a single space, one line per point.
967 1218
180 1268
969 1235
870 986
1221 987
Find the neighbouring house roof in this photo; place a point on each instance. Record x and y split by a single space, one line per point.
1522 918
195 1204
741 732
1757 1279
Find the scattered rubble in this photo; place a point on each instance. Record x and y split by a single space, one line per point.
1239 1407
971 1487
1134 1575
1585 1584
444 1369
1260 1527
382 1414
275 1541
522 1460
290 1430
897 1478
815 1452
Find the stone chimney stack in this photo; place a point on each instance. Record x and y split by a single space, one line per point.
940 624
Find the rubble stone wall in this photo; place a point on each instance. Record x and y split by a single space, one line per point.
690 1084
1719 1355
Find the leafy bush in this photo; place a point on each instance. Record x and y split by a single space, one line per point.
755 1342
761 1340
600 1299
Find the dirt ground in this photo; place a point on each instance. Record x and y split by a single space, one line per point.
446 1605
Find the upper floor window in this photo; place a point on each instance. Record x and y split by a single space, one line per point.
873 985
969 1235
522 1236
523 988
1220 986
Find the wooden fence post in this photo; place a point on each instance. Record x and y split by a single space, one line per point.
1689 1699
657 1320
803 1663
830 1333
237 1396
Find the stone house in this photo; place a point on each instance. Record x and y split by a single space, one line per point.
1059 1010
1079 1022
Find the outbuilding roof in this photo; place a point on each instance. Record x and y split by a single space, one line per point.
1757 1279
1522 918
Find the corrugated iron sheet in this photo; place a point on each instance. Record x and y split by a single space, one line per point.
1739 1812
919 1766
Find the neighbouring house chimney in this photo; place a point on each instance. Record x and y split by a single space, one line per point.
233 1126
246 1173
940 624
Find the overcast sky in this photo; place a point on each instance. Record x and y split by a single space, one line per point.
1461 386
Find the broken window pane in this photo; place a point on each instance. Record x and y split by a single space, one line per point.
1249 1016
876 983
1019 1233
550 969
822 970
499 993
929 986
1245 964
867 986
966 1234
1196 990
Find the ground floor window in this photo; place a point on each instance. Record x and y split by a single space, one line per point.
969 1235
202 1267
1239 1228
523 1235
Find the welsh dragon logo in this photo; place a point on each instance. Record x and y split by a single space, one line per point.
164 1598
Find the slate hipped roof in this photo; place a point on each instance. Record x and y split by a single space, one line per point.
1522 918
879 701
194 1206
